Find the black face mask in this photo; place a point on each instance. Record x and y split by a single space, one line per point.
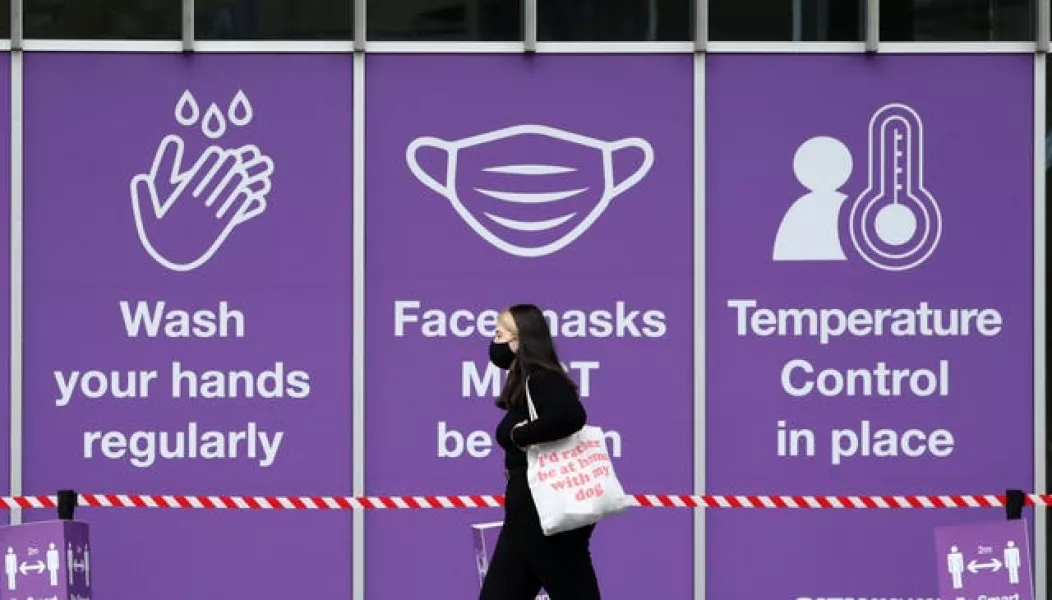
501 355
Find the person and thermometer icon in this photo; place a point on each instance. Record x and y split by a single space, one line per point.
895 223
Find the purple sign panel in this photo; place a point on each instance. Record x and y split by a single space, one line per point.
187 323
47 560
564 181
984 561
869 309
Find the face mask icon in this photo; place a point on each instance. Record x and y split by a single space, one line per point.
529 190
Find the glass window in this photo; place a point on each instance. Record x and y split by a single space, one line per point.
5 22
957 20
615 20
103 19
787 20
273 19
444 20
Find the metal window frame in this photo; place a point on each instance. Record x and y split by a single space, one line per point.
15 41
529 41
699 323
188 25
1040 434
15 324
700 45
358 324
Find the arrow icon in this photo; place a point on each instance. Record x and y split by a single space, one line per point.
27 567
994 565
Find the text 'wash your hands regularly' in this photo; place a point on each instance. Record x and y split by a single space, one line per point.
178 382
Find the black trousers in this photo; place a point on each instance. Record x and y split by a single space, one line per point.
525 560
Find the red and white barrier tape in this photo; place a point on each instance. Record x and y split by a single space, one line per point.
418 502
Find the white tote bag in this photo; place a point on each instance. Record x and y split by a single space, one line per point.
572 479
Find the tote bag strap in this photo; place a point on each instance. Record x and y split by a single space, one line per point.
529 400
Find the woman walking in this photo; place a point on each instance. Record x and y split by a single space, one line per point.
525 560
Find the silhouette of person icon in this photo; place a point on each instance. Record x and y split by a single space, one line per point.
955 565
810 228
1012 562
11 567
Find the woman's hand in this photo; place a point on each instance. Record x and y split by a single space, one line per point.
512 433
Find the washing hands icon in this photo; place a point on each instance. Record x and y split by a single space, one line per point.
185 208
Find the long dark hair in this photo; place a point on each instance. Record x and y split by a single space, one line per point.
536 352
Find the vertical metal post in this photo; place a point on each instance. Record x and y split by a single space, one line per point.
188 25
701 25
16 346
16 24
700 122
358 313
1041 441
359 25
529 25
872 25
1042 25
1040 320
701 41
798 20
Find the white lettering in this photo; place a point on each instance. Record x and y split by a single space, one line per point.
614 438
799 379
828 323
888 443
478 443
180 323
457 323
476 385
271 383
584 369
401 318
489 382
96 384
621 322
144 447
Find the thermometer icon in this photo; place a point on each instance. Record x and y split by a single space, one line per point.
895 223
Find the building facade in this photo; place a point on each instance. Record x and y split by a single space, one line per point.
786 247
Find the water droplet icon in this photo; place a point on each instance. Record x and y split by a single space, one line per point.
214 123
186 110
240 111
